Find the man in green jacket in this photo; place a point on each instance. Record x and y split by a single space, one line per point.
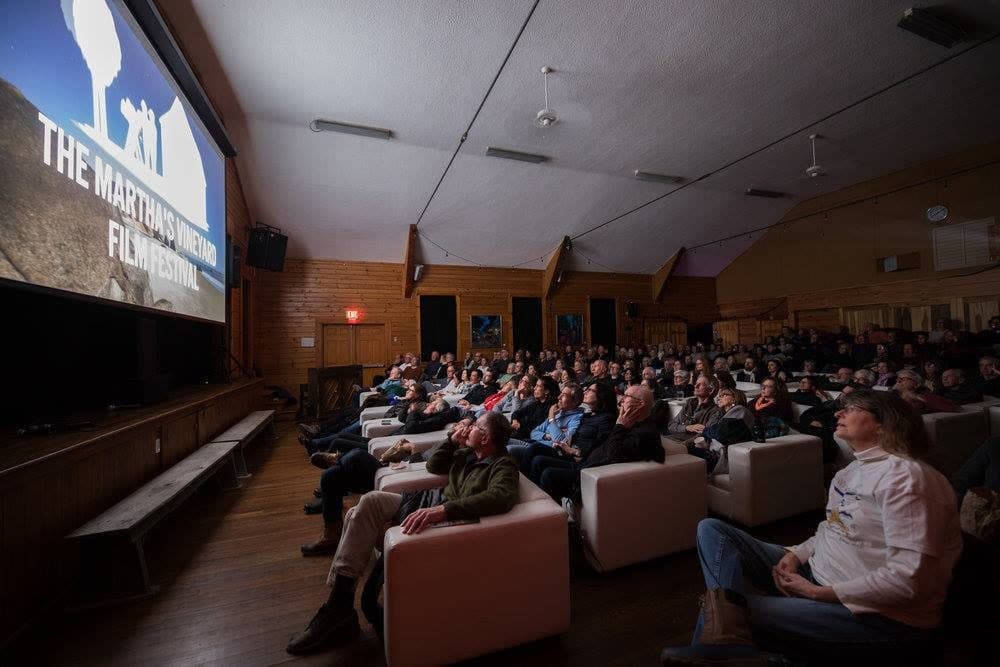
482 481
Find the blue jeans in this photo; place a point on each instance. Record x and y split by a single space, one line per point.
323 444
797 627
524 452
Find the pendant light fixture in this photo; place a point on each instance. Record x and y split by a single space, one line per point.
546 117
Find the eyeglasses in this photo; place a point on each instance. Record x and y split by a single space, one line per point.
857 408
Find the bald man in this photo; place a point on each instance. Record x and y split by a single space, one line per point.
633 438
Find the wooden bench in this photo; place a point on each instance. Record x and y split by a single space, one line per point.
113 561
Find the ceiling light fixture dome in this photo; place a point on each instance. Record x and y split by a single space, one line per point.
546 117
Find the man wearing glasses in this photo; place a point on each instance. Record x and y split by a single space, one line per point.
482 481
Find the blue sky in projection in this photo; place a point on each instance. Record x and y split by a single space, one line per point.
39 56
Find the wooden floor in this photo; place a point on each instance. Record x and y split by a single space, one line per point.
234 588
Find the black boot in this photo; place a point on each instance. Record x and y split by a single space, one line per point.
335 623
369 598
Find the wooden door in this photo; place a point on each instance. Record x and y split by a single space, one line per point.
370 349
337 345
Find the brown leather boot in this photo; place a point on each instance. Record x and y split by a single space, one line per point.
725 615
327 544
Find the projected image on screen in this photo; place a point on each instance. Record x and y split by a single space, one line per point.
111 186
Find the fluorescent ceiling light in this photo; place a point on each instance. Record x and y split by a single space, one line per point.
656 178
770 194
515 155
320 125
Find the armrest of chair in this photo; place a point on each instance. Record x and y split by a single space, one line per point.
421 442
412 478
376 428
778 478
430 575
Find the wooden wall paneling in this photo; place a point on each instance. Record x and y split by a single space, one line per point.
179 438
826 253
728 331
821 319
43 501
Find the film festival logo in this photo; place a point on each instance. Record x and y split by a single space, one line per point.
182 180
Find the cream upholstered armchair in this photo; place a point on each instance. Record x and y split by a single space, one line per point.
767 481
518 561
632 512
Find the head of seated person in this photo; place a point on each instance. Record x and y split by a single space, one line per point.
704 388
599 369
864 377
570 397
844 375
809 367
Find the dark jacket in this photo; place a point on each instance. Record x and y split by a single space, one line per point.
529 417
418 422
594 429
639 443
476 487
962 394
478 394
804 398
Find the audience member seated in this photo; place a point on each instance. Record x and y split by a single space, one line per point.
532 413
988 382
481 386
749 372
699 412
553 434
957 389
518 397
433 366
868 587
864 378
482 481
884 375
919 396
809 393
595 426
981 470
634 437
932 375
354 472
772 403
682 387
734 426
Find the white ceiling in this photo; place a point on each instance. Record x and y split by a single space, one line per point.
680 87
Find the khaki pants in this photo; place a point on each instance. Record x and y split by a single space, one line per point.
364 526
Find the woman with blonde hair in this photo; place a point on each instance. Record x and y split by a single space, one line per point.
868 587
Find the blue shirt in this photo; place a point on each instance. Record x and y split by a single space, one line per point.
559 428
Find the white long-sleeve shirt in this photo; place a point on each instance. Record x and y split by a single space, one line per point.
890 539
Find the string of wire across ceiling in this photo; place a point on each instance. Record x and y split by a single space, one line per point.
685 185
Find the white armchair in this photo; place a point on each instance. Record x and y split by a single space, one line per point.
421 442
632 512
438 575
770 480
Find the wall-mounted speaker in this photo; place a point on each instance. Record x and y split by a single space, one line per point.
632 309
266 249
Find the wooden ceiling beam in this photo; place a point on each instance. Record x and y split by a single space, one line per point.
553 272
663 275
409 261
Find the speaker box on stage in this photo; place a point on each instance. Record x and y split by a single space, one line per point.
266 249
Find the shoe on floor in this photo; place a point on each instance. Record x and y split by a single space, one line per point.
737 655
313 506
317 492
329 627
321 547
309 430
324 460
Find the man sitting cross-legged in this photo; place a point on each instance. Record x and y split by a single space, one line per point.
482 481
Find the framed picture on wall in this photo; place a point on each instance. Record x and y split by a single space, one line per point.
487 331
569 329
